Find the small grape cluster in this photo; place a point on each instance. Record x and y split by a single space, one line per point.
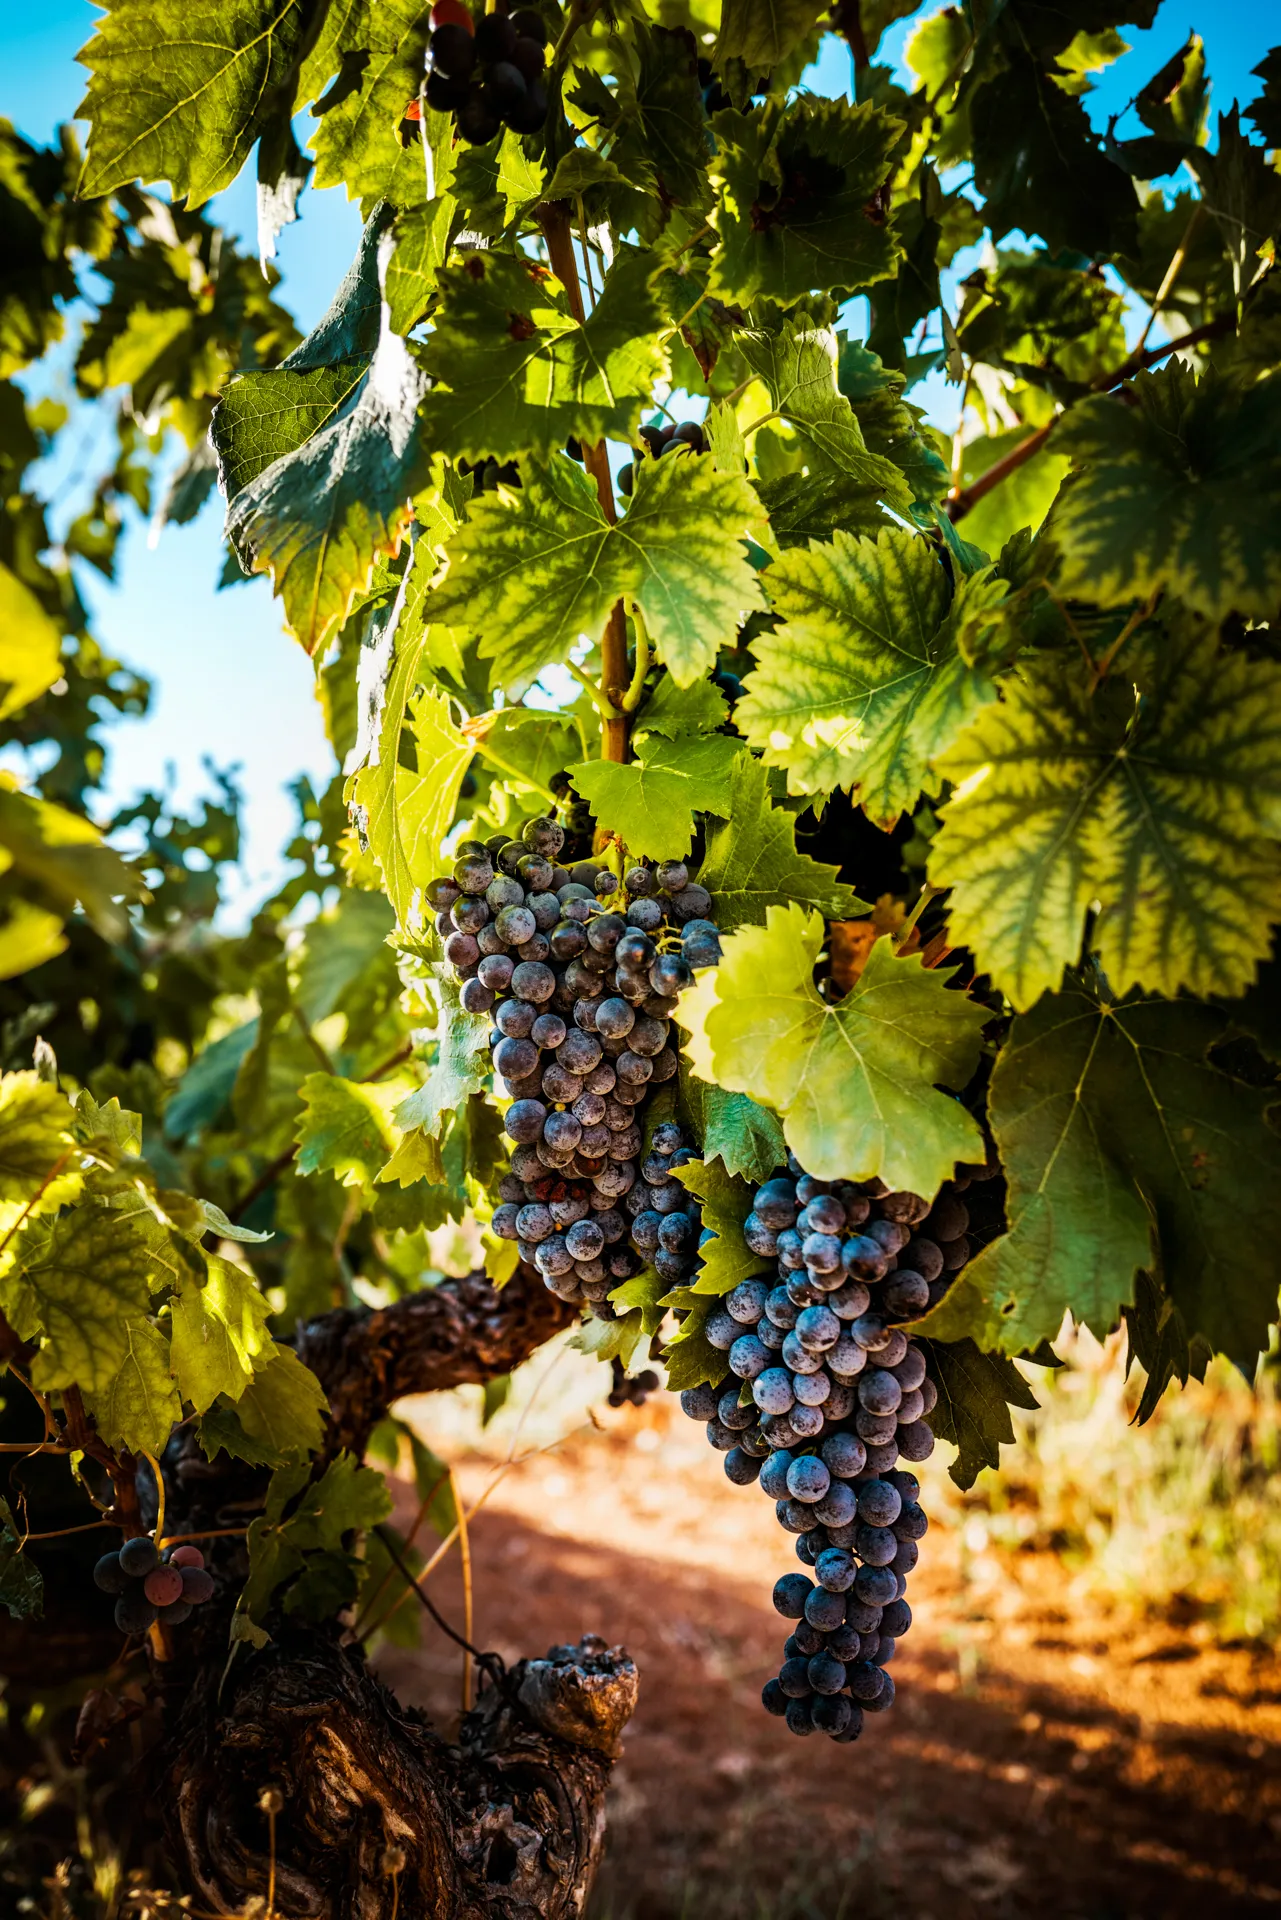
824 1395
580 974
151 1586
488 72
657 441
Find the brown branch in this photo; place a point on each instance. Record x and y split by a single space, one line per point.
960 502
847 19
461 1332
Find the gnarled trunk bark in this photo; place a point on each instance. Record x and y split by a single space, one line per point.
379 1814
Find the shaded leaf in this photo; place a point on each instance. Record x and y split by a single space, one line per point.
752 861
137 1407
726 1201
345 1128
1124 1149
1154 808
975 1393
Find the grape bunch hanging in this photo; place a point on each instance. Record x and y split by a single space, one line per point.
823 1395
151 1586
580 974
487 72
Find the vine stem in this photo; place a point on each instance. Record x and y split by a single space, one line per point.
632 698
554 219
923 899
464 1551
959 504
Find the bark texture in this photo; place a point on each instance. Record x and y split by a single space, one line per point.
381 1815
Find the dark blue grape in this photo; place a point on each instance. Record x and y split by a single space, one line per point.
823 1609
876 1586
108 1574
799 1718
700 1402
773 1699
866 1682
896 1619
138 1557
826 1674
885 1698
835 1569
741 1468
879 1504
831 1714
134 1613
791 1594
807 1478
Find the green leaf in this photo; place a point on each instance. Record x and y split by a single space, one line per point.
727 1201
1155 810
283 1405
1176 487
462 1065
318 518
340 945
404 814
376 47
63 855
855 1084
645 1296
21 1581
81 1280
650 802
689 1357
263 417
1125 1148
975 1393
422 246
799 371
752 862
35 1133
1052 179
533 569
205 1090
346 1498
181 93
761 33
30 646
780 241
345 1128
864 682
218 1332
220 1430
137 1407
514 373
677 711
745 1137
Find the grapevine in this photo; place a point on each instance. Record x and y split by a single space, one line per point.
783 509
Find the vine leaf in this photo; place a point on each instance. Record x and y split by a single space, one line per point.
866 680
1164 810
676 711
799 371
1175 486
761 33
404 813
795 188
63 856
1124 1149
78 1280
180 93
35 1133
752 861
651 801
217 1333
462 1064
345 1128
514 373
30 645
317 518
376 50
533 569
975 1393
21 1581
727 1201
138 1405
283 1406
856 1084
745 1137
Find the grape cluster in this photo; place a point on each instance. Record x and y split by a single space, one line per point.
487 72
580 974
150 1586
657 440
823 1396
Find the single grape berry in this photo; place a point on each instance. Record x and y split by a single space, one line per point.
134 1612
109 1576
163 1585
197 1586
138 1557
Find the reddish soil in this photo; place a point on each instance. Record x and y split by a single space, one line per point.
1033 1764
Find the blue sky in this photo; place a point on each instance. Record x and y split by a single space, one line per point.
230 684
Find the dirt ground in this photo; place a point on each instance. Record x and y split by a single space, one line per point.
1035 1763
